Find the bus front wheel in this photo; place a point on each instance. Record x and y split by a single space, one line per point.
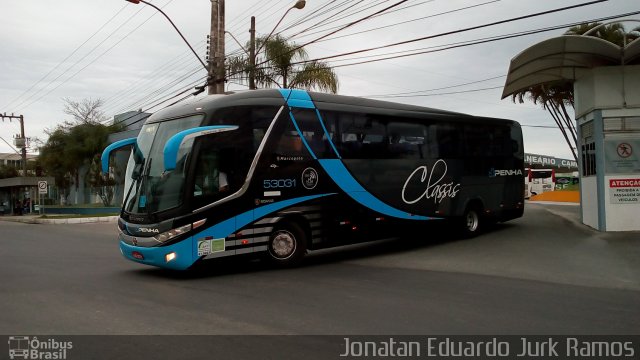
287 245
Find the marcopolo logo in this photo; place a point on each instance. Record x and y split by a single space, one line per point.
26 347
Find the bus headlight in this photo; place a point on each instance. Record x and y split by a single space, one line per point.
170 257
168 235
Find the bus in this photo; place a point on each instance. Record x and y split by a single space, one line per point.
281 172
539 181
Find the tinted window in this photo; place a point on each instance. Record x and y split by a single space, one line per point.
448 140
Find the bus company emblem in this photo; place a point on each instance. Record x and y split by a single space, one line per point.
493 172
309 178
149 230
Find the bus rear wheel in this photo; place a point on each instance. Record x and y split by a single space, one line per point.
471 222
287 245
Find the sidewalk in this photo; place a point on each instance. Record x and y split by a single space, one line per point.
35 219
567 210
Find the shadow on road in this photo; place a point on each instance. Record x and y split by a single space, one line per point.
431 236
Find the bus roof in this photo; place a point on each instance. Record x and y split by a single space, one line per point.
322 101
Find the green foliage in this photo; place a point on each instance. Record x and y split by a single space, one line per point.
72 145
283 65
7 171
613 33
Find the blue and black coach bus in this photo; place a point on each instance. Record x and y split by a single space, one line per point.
281 172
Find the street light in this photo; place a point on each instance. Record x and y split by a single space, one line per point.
174 26
252 50
298 5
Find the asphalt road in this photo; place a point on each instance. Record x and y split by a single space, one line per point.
542 274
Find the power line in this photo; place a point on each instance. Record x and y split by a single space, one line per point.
476 42
435 89
124 95
445 33
66 58
345 27
76 63
438 94
97 57
407 21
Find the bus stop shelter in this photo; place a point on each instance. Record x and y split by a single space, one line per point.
20 189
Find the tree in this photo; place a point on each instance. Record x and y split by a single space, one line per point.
85 111
613 33
103 185
556 96
281 68
74 145
8 171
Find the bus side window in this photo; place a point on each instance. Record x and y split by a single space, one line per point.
286 139
448 140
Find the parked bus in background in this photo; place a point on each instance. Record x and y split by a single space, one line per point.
539 181
280 172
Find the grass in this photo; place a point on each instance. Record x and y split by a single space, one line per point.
74 216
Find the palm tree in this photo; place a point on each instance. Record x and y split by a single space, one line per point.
284 64
556 96
613 33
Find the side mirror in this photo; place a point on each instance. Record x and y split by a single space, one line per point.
171 148
107 151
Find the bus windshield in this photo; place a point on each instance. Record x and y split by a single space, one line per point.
153 190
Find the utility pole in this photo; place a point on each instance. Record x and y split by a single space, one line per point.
21 141
252 54
216 35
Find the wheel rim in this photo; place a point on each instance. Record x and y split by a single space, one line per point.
283 244
472 221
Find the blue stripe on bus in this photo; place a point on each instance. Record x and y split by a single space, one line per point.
229 226
304 141
297 98
327 134
343 178
186 250
336 169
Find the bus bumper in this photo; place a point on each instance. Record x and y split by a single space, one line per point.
160 256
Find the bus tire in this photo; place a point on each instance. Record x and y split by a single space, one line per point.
287 245
471 222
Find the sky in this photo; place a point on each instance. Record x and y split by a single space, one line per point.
131 57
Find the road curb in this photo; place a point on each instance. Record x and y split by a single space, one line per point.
34 220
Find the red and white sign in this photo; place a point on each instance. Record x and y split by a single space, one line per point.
624 191
624 183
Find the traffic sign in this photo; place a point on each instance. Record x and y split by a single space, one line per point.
42 187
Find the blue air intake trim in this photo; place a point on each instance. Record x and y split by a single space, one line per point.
107 151
343 178
170 151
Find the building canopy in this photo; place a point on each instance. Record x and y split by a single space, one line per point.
563 58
